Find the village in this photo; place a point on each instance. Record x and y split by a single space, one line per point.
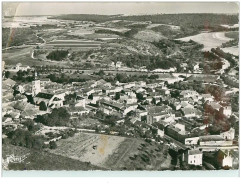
191 115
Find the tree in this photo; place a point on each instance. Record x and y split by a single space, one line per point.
117 96
52 145
7 74
90 97
30 125
139 96
42 106
101 73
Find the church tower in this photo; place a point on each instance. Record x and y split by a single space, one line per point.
36 88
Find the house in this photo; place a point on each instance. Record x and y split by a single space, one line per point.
189 93
176 105
227 110
80 101
162 91
219 159
157 113
19 88
129 85
188 112
224 158
128 108
78 110
140 83
176 133
88 91
207 97
19 67
228 135
44 81
141 114
160 128
118 64
194 157
95 97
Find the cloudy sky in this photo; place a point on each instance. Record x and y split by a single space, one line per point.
130 8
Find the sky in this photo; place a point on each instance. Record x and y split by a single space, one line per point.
127 8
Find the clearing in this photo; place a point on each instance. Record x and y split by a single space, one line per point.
209 40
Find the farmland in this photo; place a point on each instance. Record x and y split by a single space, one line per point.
112 152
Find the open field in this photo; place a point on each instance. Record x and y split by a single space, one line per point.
40 160
232 34
81 147
113 152
23 56
209 40
232 50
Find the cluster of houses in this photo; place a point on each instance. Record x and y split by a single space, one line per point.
179 118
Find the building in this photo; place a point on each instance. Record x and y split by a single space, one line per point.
118 64
80 101
77 111
224 158
36 88
19 67
207 97
191 141
51 100
157 113
194 157
214 140
219 159
228 135
227 111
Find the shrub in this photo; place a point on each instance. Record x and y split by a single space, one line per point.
52 145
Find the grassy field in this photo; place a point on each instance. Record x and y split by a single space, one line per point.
232 50
232 34
40 160
23 56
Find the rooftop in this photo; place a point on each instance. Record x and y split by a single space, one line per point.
195 151
211 138
44 95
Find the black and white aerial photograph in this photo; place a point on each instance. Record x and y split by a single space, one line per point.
120 86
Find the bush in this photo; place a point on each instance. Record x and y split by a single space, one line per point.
52 145
65 136
42 106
